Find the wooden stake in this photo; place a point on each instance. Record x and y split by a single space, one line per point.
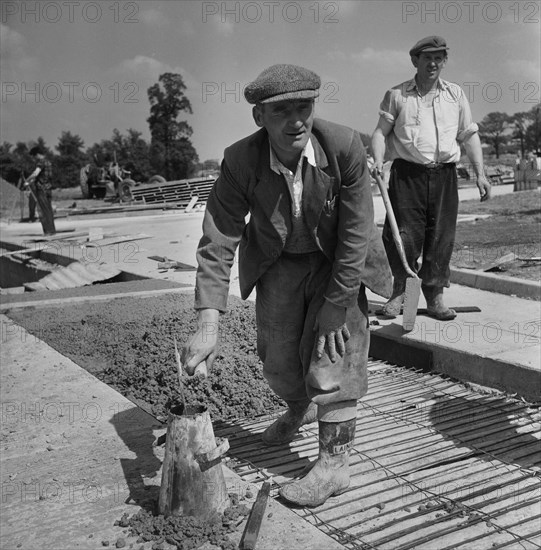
251 532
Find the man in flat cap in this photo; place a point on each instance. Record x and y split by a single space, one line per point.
422 124
309 249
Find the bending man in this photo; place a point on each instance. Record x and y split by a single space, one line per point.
309 248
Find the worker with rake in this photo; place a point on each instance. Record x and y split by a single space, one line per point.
309 248
421 125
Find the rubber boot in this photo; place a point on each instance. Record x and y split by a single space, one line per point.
284 429
330 474
394 306
435 306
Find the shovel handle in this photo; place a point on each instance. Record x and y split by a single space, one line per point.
394 226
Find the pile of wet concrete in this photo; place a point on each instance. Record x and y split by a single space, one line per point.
128 343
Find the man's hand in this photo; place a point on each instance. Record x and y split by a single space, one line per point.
377 169
484 187
332 330
202 348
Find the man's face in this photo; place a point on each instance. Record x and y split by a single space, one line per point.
429 65
288 123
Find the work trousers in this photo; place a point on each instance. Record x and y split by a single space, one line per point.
425 204
43 197
289 297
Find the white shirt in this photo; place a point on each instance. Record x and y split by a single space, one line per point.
294 180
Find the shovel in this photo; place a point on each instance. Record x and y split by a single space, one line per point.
413 282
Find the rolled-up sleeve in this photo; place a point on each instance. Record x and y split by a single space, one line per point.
387 109
466 126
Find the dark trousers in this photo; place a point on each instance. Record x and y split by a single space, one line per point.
425 204
43 197
289 296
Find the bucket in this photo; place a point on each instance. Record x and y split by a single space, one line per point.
193 482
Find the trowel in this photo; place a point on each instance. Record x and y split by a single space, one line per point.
180 369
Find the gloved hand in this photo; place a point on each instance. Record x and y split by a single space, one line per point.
332 330
202 348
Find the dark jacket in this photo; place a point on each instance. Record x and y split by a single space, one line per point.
337 206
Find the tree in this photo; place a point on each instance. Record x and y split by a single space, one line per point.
131 151
15 161
171 151
492 130
532 136
208 167
526 129
69 161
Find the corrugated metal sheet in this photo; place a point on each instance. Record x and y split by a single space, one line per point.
75 275
435 465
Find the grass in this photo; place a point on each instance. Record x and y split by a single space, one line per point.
513 227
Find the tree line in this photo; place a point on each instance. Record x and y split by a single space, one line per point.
520 132
169 153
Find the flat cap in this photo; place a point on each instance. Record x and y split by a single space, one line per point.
280 82
429 44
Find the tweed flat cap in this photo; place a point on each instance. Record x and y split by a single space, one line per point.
281 82
429 44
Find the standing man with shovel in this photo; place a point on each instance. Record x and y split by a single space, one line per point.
422 123
309 248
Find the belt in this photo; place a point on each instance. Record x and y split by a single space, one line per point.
431 166
437 165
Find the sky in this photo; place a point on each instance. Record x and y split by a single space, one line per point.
85 66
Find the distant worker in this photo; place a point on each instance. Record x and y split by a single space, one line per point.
40 184
422 123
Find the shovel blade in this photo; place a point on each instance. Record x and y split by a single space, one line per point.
411 301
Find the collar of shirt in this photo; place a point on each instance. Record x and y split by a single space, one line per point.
294 181
441 85
279 168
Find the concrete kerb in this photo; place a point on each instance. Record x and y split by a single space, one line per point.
506 376
510 286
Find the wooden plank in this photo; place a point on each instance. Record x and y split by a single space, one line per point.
253 526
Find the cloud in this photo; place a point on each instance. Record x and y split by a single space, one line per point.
384 60
158 21
524 69
152 17
336 55
15 62
145 71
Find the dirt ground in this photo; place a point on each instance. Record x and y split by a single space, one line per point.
128 344
513 228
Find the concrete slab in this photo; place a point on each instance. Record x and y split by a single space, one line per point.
505 337
497 347
75 454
